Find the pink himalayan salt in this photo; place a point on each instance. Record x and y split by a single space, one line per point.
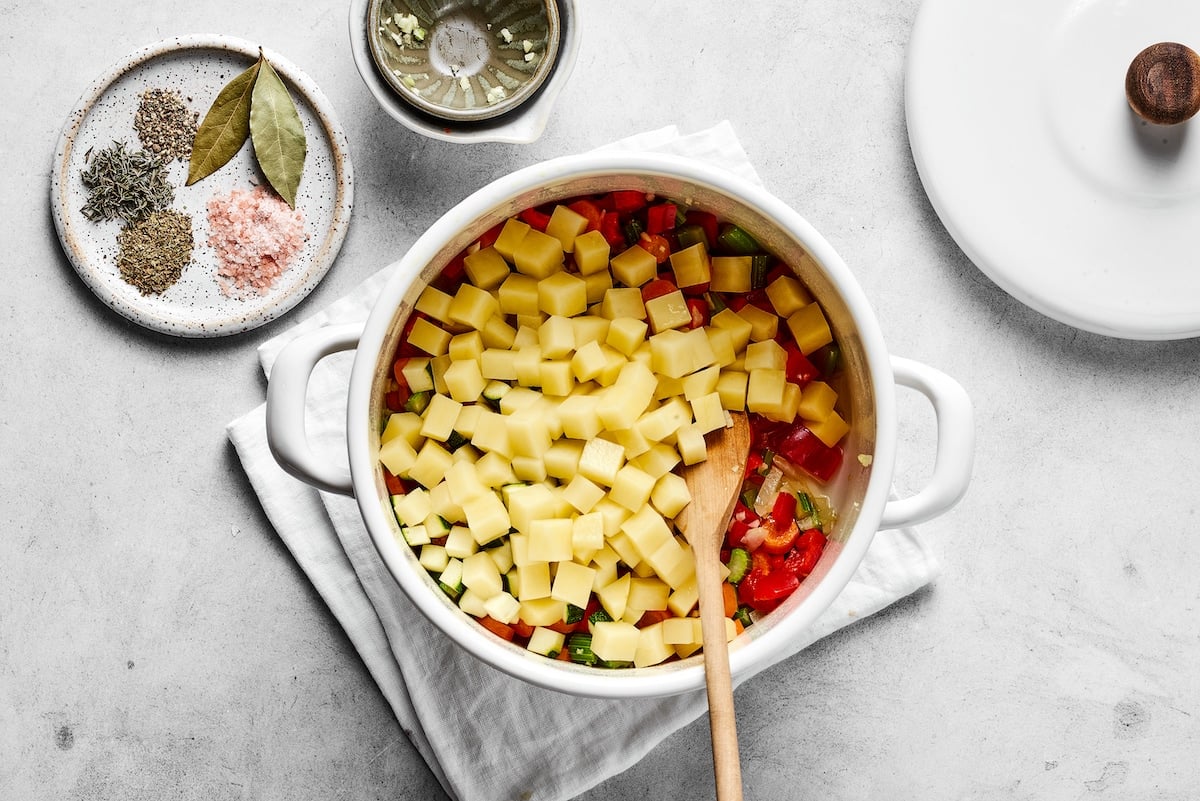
255 235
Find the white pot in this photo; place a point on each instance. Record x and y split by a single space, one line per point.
863 484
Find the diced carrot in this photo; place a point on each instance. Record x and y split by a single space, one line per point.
522 629
394 485
729 595
501 630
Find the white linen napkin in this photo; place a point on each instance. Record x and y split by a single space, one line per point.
483 733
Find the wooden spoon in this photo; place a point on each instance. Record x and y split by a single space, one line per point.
715 484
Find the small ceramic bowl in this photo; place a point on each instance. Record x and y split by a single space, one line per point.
465 70
464 60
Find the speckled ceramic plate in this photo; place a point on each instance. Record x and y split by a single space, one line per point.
1041 172
197 67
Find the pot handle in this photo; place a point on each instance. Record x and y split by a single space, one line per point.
287 390
955 445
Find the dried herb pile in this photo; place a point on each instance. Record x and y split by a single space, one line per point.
165 125
125 185
153 252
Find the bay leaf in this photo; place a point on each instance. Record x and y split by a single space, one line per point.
225 126
277 133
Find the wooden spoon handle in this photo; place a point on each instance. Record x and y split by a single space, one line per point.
722 721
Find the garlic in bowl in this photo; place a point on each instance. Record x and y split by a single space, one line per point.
532 376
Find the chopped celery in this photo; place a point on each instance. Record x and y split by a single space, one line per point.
739 564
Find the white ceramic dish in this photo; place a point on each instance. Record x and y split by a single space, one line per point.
198 67
863 485
522 125
1041 172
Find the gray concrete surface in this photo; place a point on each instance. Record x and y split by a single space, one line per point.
158 642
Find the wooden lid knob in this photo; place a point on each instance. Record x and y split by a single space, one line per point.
1163 83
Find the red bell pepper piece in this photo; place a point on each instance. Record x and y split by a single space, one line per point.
798 368
698 308
394 485
610 229
804 557
535 219
775 587
784 508
802 448
660 218
452 275
627 201
490 236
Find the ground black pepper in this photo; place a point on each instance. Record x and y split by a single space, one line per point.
152 253
165 125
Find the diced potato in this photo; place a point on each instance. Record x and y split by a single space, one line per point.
626 334
721 342
767 355
460 542
622 302
614 515
543 611
573 583
689 440
668 311
764 390
682 631
632 441
600 461
731 386
473 306
614 597
673 563
464 381
416 374
651 648
502 607
708 412
787 296
562 293
472 603
431 464
591 253
633 266
464 483
481 576
397 455
433 558
538 255
558 378
615 640
684 599
550 540
588 362
590 328
502 556
691 266
495 470
556 337
435 303
647 529
816 401
831 429
439 417
528 365
631 488
437 368
491 434
658 425
487 517
648 593
486 268
518 295
497 333
738 327
625 401
670 354
546 642
498 364
670 494
412 509
402 424
731 273
465 346
529 503
763 324
429 338
528 433
566 225
562 458
529 468
510 237
587 536
624 546
597 285
809 328
659 460
534 578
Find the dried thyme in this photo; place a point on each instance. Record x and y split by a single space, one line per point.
153 252
127 185
165 125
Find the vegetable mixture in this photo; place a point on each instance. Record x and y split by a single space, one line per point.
548 385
